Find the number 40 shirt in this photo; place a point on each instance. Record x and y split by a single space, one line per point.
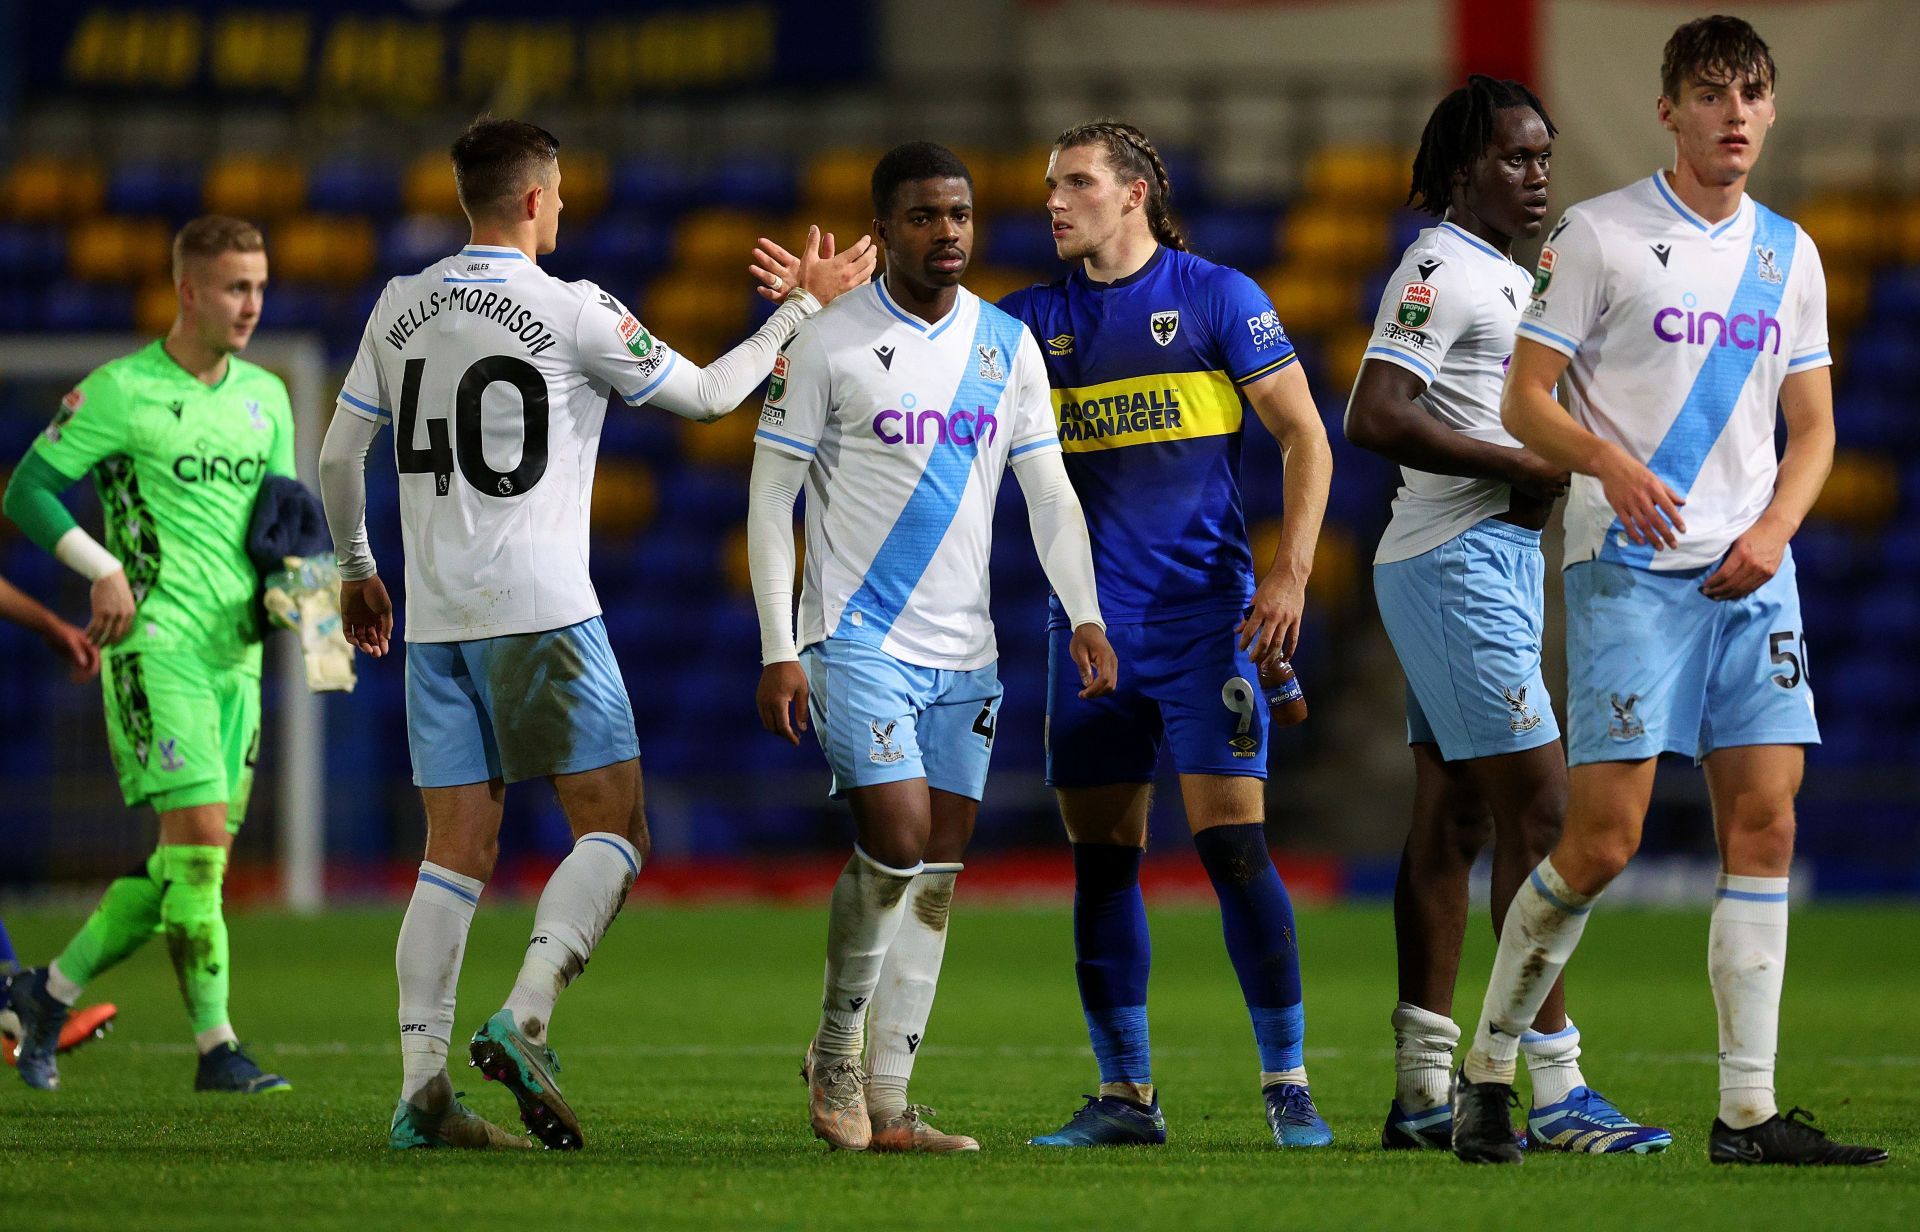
495 376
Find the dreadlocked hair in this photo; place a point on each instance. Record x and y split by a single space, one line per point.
1132 157
1458 132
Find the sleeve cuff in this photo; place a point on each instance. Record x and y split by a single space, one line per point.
1267 369
1548 338
1813 359
1419 367
1035 445
363 408
786 444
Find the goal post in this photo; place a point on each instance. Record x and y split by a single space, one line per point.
300 360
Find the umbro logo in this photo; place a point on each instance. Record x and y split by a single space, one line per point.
1663 251
885 356
1427 268
1508 292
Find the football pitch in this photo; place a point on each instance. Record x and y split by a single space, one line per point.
682 1046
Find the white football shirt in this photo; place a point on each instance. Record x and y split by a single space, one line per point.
1447 315
496 375
909 427
1680 332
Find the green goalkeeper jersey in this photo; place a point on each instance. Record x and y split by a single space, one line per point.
177 464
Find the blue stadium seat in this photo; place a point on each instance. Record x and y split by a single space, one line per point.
31 254
1021 241
351 186
292 306
754 182
1241 237
654 185
1896 296
165 188
83 306
20 308
410 244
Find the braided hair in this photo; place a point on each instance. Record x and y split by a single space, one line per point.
1132 157
1458 132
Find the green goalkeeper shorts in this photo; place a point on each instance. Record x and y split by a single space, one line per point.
182 732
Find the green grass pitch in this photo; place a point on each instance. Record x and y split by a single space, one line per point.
682 1044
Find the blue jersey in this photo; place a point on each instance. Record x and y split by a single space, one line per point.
1147 375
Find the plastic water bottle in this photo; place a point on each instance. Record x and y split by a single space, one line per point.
1282 690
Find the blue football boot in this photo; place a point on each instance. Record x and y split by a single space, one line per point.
229 1069
1586 1123
1431 1130
505 1056
1106 1120
1293 1118
41 1018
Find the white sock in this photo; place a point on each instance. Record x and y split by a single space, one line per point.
211 1038
1543 927
1553 1064
433 940
1297 1076
1747 962
59 987
869 900
580 901
1423 1043
903 999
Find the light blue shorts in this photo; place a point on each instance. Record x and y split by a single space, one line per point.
880 720
517 707
1466 619
1654 666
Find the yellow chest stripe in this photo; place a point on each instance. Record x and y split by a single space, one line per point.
1174 406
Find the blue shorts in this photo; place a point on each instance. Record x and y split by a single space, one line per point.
1654 666
880 720
516 707
1466 619
1184 682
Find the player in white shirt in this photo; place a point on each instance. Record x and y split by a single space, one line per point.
496 376
1459 578
1681 313
899 410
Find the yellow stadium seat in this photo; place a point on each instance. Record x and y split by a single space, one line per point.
1335 237
1848 287
120 249
841 181
1861 492
1850 229
991 282
1342 352
726 442
1909 232
681 304
1359 175
338 250
624 497
1335 581
44 188
1311 301
254 188
428 187
719 243
154 307
585 183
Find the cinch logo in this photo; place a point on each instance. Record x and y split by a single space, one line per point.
931 427
244 471
1745 330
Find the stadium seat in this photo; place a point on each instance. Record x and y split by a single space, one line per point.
1360 176
1022 241
1011 185
154 307
168 189
728 442
353 186
334 251
840 181
1309 301
254 188
1861 491
1849 228
653 184
427 187
624 498
756 183
1335 237
290 305
678 307
77 306
1341 353
412 242
119 249
719 243
1241 237
49 188
31 254
994 282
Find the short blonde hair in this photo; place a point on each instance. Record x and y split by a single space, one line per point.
212 234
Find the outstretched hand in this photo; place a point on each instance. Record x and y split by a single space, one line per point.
819 269
366 615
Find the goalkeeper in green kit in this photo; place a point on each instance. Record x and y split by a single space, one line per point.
177 437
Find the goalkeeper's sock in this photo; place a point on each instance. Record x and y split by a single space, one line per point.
863 918
128 914
1543 927
196 933
903 1000
433 941
580 901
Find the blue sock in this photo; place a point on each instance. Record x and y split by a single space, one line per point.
1112 953
7 960
1257 917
